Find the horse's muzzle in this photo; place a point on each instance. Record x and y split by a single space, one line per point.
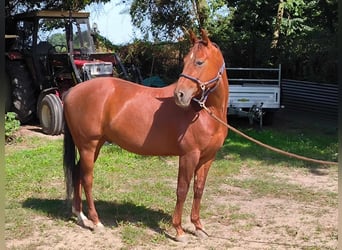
182 98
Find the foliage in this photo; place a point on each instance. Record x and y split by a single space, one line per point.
308 46
156 59
244 29
19 6
103 44
11 126
306 31
250 32
161 19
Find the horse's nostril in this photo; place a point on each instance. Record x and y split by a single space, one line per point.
181 98
179 94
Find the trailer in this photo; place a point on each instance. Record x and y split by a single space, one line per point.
254 93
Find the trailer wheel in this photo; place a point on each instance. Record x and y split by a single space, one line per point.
50 113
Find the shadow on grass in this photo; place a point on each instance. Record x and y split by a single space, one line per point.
110 213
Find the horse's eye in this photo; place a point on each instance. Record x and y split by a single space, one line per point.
199 63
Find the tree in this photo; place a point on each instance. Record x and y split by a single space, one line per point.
278 21
161 19
19 6
168 20
308 40
299 34
251 31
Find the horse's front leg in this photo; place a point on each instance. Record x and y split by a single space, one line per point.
187 164
201 174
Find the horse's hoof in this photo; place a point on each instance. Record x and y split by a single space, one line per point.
86 224
200 233
181 238
99 227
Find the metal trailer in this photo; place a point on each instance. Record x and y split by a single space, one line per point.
254 93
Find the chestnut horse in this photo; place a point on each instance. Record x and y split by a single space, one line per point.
149 121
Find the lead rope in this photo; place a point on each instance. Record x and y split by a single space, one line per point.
265 145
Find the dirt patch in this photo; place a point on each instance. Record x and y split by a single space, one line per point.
279 223
35 130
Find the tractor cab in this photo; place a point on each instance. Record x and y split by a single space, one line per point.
48 53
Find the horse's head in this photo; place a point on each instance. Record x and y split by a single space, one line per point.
203 67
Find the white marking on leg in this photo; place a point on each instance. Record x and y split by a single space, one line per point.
80 215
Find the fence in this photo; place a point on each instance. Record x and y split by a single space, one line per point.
315 98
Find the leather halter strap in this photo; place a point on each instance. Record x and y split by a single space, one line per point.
204 85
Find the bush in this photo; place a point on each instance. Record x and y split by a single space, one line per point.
11 126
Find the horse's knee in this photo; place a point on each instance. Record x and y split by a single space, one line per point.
182 193
198 192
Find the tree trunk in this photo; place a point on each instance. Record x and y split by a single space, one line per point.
277 28
201 9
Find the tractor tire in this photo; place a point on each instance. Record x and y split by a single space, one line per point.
50 113
23 93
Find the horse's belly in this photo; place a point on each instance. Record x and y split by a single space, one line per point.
145 144
143 136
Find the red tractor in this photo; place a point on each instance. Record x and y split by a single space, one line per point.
48 52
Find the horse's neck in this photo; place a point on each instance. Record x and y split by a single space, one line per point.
219 98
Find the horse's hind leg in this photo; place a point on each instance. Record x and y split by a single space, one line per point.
85 179
199 182
77 201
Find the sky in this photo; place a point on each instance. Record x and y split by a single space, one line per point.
111 22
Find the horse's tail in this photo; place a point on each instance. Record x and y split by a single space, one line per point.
69 160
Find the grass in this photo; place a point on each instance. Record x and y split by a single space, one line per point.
136 194
280 189
309 145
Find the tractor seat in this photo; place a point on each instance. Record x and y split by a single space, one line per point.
45 48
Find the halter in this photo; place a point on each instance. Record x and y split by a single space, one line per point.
204 85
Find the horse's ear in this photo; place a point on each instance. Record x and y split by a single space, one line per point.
205 38
193 37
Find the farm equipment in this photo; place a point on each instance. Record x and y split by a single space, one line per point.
48 52
254 93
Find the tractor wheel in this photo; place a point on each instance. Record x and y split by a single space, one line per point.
50 113
23 94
